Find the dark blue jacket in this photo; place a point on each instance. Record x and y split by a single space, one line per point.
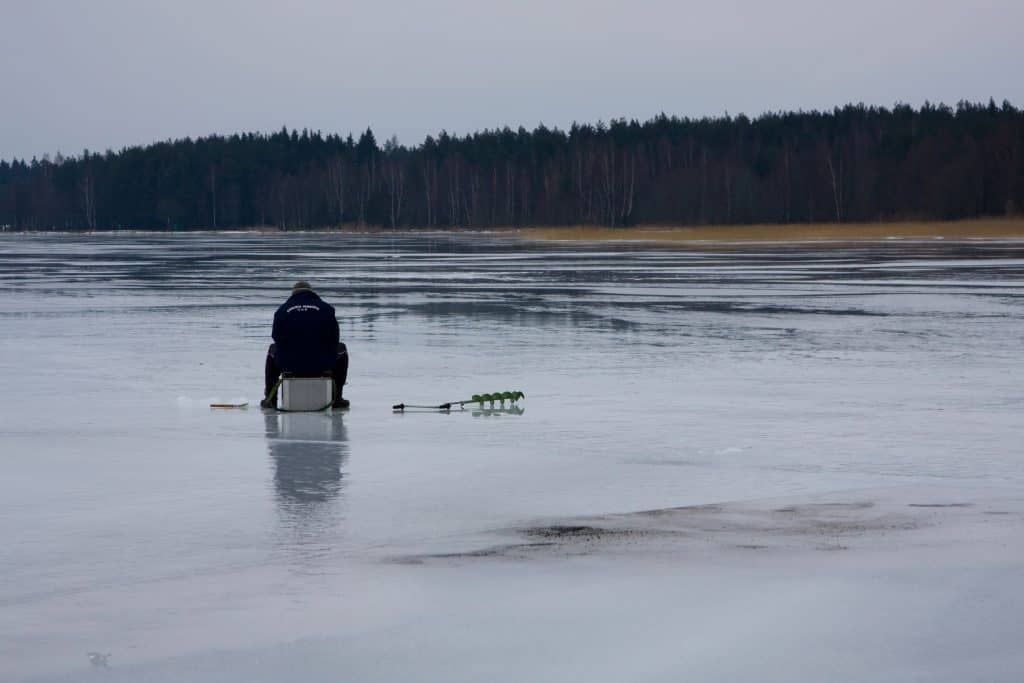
306 334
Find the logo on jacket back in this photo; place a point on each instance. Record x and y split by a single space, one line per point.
302 308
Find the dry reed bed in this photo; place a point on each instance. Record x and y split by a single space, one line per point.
813 232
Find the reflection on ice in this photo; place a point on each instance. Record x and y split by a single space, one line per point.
495 412
308 451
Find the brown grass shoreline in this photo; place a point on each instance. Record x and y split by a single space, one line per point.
993 229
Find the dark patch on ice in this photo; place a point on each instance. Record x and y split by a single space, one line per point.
852 527
565 531
712 507
996 512
569 533
857 505
812 526
489 552
940 505
508 550
811 507
745 307
564 539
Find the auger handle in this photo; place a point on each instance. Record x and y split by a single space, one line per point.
399 407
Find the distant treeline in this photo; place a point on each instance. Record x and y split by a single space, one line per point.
856 163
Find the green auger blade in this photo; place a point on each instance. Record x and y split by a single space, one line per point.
496 397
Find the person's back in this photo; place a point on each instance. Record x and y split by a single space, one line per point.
305 344
306 334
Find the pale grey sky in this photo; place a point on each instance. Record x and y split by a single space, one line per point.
108 73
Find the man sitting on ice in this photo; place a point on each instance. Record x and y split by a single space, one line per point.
305 344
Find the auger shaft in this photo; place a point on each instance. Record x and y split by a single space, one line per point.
497 397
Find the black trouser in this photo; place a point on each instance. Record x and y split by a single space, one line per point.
271 371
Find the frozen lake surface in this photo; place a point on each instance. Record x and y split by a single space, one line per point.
788 463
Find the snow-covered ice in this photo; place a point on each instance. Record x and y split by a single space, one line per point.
790 463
